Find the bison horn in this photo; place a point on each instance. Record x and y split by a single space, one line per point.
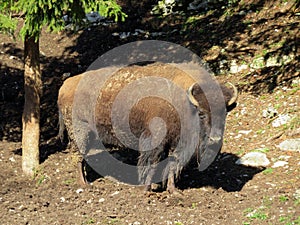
234 96
191 96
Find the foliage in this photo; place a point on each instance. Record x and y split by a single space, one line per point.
7 23
40 13
164 7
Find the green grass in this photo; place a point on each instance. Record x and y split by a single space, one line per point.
70 181
178 223
267 171
194 205
263 150
39 176
283 198
287 220
255 214
259 216
246 223
267 202
89 221
240 152
260 131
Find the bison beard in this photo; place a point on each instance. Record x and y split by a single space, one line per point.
152 150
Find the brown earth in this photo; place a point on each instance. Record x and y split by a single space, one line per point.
225 193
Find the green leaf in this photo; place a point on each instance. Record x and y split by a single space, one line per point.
49 13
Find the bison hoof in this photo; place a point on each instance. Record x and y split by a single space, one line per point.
82 181
147 188
174 191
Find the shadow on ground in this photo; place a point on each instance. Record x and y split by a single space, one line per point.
222 173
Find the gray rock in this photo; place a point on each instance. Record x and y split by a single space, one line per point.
290 145
270 112
280 164
235 68
281 120
258 63
297 194
255 159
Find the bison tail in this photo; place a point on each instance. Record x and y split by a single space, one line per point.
149 158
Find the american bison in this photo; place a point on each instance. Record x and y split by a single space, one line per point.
154 121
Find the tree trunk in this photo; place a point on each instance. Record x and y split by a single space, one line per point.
31 113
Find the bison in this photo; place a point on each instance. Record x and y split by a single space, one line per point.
153 121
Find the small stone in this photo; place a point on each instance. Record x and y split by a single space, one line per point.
281 120
290 145
62 199
136 223
255 159
12 159
279 164
296 81
80 190
12 57
297 194
101 199
284 157
115 193
66 75
258 63
234 68
270 112
124 35
246 132
242 13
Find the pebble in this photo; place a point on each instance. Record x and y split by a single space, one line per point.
290 145
12 57
281 120
115 193
297 194
79 190
246 132
136 223
269 112
255 159
279 164
12 159
234 68
284 157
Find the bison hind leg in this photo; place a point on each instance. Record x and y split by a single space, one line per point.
170 174
148 160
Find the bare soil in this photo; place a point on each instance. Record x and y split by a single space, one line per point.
225 193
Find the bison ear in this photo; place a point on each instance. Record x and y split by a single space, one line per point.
191 94
230 95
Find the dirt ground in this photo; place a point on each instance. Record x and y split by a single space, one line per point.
225 193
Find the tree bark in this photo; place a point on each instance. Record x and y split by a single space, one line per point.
31 113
